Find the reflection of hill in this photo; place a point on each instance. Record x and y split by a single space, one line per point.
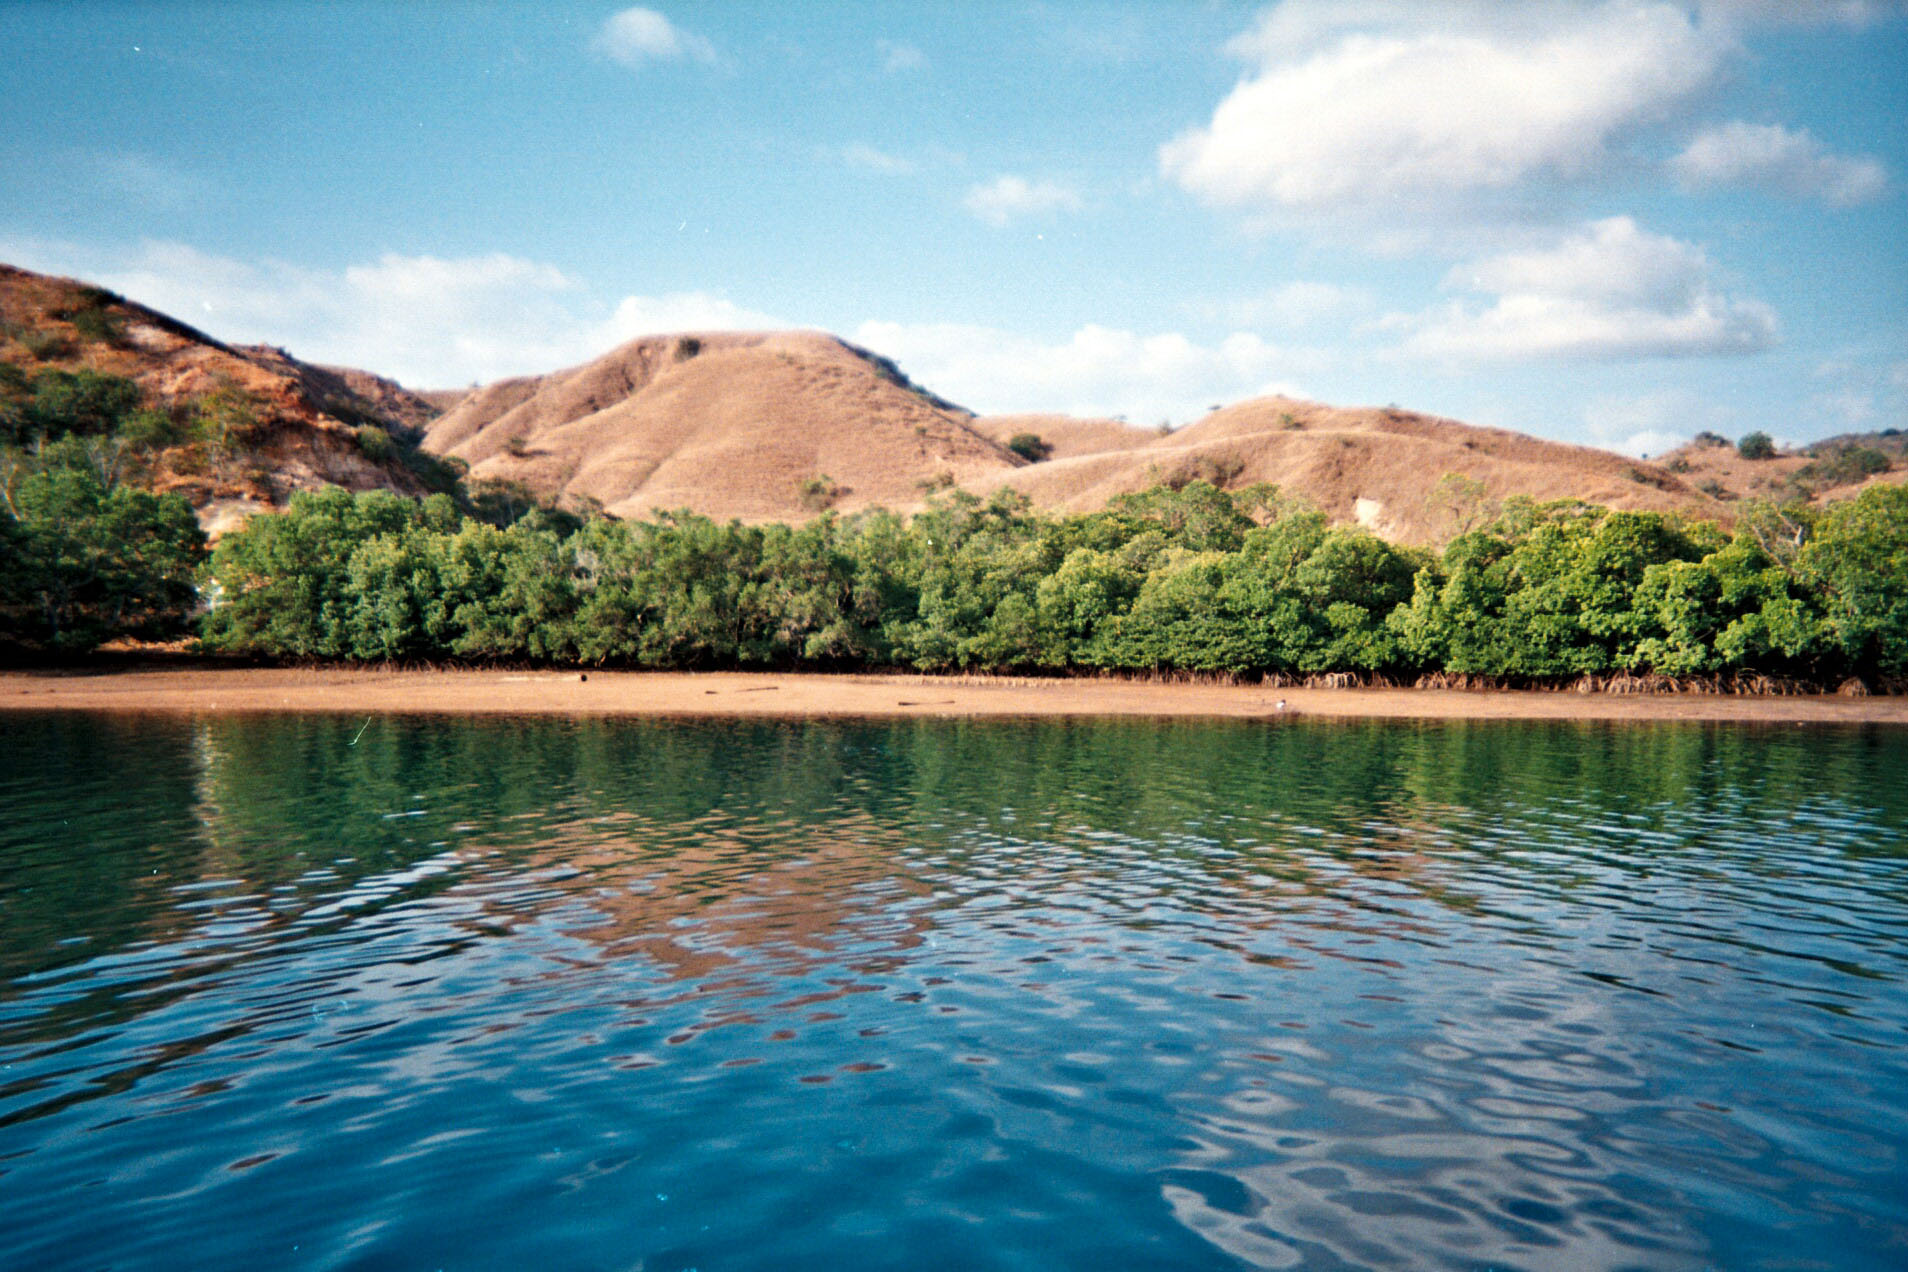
702 897
780 847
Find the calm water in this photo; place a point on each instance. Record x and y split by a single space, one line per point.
317 992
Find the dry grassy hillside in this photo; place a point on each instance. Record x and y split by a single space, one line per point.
251 425
1822 472
755 426
1381 468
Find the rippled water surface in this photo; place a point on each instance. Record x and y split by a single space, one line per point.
330 993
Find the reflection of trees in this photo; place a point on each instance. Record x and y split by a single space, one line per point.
94 813
779 846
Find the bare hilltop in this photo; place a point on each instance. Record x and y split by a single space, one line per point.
779 426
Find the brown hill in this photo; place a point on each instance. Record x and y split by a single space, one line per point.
778 426
1385 469
1826 471
245 426
756 426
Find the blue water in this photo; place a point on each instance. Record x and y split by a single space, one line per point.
323 993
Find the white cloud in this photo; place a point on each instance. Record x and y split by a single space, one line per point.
867 158
897 57
1371 104
1777 158
424 320
1098 371
637 37
1610 290
1001 200
680 311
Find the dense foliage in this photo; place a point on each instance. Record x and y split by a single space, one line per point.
1194 579
84 558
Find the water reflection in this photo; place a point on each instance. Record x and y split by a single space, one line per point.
1121 994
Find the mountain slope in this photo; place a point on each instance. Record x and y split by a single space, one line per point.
1382 468
230 427
756 426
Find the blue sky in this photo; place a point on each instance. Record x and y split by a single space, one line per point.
1608 221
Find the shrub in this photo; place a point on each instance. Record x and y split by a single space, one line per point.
1757 445
375 443
1844 466
97 325
149 429
821 492
225 418
1029 446
517 447
45 345
687 347
83 402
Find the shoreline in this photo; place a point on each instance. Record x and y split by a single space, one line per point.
715 694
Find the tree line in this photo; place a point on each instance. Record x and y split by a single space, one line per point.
1175 579
1194 579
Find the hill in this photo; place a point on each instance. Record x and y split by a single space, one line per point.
780 426
233 428
1408 477
1826 471
756 426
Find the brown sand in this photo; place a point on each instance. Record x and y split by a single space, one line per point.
602 693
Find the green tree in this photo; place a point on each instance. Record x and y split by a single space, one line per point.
82 563
282 584
1858 563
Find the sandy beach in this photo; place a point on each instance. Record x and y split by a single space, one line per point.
610 693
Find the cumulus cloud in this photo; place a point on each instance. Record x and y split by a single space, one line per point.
637 37
1098 371
425 320
1004 198
1777 158
679 311
1365 103
1609 290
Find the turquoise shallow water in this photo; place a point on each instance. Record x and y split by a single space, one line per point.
317 992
